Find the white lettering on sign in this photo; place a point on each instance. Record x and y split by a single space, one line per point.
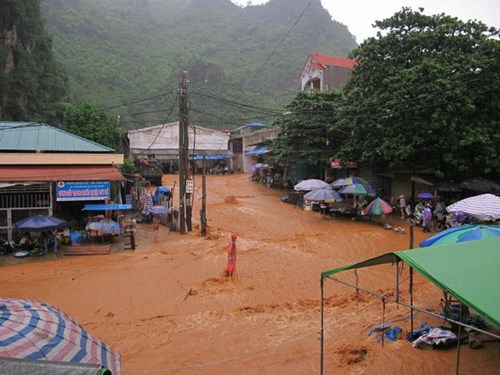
189 186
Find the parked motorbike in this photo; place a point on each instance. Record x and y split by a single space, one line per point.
442 222
5 246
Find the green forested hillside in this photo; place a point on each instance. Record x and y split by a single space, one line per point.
123 51
32 83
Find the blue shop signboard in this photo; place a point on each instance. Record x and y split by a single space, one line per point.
82 190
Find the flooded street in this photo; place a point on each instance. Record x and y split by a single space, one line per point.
166 307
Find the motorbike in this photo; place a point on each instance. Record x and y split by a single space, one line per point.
5 246
442 222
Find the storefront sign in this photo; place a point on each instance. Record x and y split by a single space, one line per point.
82 190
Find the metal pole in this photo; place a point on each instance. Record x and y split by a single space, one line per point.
412 224
411 297
459 339
397 281
321 335
183 150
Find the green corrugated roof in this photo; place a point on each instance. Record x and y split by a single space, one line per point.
467 270
31 136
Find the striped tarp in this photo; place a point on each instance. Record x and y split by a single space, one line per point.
39 331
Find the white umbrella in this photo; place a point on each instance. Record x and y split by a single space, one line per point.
485 207
311 184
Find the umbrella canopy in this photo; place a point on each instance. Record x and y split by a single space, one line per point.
106 226
311 184
480 185
349 181
357 189
483 207
326 194
462 233
159 210
39 331
425 195
40 223
378 207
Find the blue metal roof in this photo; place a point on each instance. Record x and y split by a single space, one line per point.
254 124
33 136
106 207
258 151
211 157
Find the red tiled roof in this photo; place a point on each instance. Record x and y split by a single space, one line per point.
25 173
327 60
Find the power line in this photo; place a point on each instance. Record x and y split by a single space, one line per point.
137 101
281 41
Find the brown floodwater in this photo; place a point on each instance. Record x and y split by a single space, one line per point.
167 308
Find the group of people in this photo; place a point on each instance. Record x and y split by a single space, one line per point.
45 240
423 212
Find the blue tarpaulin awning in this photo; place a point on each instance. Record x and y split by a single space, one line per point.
258 150
106 207
211 157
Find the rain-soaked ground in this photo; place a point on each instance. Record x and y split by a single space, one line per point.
166 307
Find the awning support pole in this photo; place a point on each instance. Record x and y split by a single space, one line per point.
459 334
411 298
397 282
321 335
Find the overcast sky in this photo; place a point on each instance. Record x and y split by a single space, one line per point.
358 16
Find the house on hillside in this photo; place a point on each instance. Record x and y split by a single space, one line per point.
323 72
47 171
161 143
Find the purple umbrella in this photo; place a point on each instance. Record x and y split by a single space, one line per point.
425 195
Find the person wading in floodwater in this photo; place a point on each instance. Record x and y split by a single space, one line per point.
231 257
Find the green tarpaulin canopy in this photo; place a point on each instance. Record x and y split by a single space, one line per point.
469 271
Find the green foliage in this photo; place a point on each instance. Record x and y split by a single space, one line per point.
308 128
127 167
118 51
32 82
93 124
426 94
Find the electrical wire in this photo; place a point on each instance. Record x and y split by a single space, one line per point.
281 41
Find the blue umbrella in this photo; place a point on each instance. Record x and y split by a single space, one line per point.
40 223
462 233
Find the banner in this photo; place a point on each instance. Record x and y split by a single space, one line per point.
82 190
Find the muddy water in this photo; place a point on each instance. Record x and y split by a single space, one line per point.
167 309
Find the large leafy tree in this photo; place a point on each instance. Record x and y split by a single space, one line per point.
426 94
308 128
93 124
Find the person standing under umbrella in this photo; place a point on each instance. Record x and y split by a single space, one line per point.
231 256
147 203
402 205
427 217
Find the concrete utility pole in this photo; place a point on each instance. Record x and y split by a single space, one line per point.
183 150
203 211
